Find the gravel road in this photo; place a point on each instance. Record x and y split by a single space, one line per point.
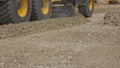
73 42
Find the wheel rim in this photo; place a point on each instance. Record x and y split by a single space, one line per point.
22 7
90 5
45 6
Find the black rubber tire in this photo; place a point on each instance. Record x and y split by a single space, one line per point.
37 14
8 12
84 9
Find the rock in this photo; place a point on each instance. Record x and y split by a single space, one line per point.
112 18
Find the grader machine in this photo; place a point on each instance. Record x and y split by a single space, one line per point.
15 11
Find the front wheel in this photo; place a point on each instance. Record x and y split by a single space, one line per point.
86 8
13 11
41 9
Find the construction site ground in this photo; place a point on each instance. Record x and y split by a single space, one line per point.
69 42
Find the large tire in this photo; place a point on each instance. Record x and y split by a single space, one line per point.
86 8
10 13
37 13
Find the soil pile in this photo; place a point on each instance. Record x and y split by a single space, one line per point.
16 30
112 18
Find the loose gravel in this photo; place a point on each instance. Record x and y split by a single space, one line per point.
112 18
23 29
89 45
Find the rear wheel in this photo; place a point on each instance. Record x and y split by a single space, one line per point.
86 8
13 11
41 9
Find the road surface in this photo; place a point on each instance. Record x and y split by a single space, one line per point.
87 44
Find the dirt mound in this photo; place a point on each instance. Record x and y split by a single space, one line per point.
16 30
112 18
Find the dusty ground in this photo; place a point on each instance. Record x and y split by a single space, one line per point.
104 8
73 42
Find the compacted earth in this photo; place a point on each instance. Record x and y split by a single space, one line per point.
69 42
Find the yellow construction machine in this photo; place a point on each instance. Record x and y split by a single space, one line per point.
14 11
